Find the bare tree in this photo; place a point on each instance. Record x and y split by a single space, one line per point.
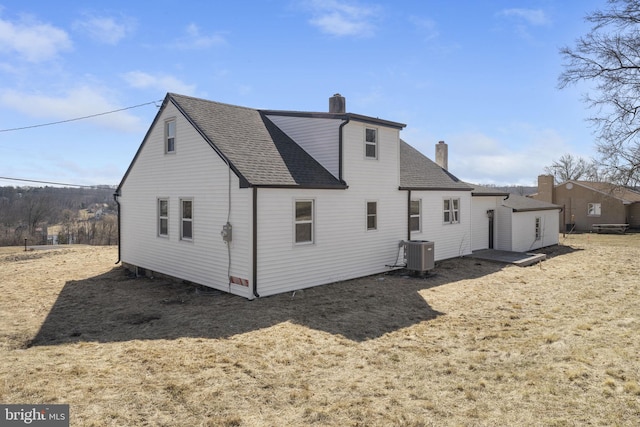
569 168
609 58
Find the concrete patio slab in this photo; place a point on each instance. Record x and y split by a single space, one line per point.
521 259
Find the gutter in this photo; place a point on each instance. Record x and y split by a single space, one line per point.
408 215
115 198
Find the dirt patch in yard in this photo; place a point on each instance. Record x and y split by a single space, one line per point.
472 343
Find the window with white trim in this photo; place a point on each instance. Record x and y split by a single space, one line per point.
303 221
372 215
163 217
451 211
414 215
594 209
186 219
371 143
170 136
538 228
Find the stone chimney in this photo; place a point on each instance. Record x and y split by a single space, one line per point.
337 104
442 155
545 188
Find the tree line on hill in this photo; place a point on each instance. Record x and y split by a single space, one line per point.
41 215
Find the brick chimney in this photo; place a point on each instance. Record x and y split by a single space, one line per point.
337 104
442 155
545 188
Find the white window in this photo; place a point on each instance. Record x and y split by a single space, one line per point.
372 215
451 211
163 217
170 136
594 209
414 215
186 219
538 228
304 221
371 143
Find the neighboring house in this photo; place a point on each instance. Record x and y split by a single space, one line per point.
511 222
587 203
259 202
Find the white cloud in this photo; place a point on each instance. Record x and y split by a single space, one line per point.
535 17
78 102
514 155
32 40
342 19
162 82
194 39
105 29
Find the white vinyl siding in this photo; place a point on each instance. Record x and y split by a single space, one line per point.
205 261
524 237
318 137
449 241
343 248
480 221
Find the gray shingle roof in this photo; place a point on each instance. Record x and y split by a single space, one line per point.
523 204
418 172
259 152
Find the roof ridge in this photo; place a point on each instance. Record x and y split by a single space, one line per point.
195 98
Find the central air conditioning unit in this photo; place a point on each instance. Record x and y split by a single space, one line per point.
419 255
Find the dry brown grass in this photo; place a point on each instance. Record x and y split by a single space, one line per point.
474 343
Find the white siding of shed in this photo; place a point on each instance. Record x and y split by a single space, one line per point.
318 137
504 229
193 171
450 240
523 230
480 221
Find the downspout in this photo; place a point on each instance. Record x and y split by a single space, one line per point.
408 215
115 198
340 156
254 279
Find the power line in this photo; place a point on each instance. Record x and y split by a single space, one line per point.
79 118
48 182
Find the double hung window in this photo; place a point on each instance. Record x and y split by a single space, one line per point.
304 221
170 136
371 143
186 219
163 217
451 211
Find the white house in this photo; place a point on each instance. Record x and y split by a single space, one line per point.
259 202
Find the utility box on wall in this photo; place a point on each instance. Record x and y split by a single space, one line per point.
419 255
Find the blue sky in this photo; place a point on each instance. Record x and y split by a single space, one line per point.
480 75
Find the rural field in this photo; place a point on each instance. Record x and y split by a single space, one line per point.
473 343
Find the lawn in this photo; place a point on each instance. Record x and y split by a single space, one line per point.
473 343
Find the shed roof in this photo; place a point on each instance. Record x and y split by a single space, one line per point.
525 204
